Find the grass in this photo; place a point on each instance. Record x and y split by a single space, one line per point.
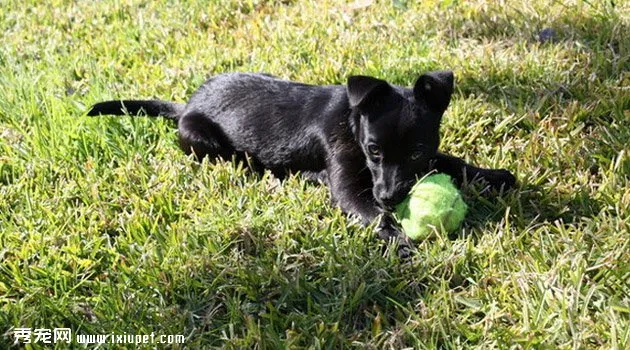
106 227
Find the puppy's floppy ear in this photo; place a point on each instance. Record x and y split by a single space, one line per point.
362 89
435 88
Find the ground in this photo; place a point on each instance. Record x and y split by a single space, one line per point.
107 228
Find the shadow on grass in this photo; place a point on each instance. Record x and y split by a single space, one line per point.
297 296
588 27
599 36
529 204
543 205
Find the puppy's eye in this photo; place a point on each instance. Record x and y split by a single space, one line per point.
416 155
374 150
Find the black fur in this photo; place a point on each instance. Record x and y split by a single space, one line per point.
368 140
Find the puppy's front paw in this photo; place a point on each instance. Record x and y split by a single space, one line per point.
499 178
391 234
405 249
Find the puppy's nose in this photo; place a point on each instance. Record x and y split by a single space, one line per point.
389 200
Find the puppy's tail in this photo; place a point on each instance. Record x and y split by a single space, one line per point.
152 108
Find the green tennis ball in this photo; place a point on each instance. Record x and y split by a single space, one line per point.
433 203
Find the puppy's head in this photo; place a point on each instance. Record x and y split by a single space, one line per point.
398 129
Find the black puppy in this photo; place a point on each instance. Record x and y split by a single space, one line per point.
368 140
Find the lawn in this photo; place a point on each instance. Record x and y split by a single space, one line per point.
106 227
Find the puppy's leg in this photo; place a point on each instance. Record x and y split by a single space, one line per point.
460 171
198 135
351 189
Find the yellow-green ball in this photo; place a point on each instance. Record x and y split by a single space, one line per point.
433 203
